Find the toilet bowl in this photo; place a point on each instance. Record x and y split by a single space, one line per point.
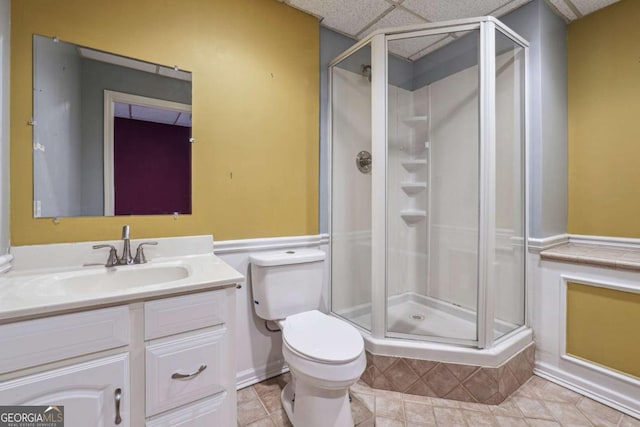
325 355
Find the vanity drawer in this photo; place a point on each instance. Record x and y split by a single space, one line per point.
39 341
213 411
200 359
185 313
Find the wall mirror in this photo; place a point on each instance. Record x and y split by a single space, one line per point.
111 134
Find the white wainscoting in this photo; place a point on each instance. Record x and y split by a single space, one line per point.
259 352
548 318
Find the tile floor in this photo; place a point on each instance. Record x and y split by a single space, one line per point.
538 403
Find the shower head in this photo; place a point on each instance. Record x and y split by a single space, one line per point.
366 71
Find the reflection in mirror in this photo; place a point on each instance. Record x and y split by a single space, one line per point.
145 170
111 134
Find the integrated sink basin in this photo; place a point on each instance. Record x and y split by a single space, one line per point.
102 280
57 278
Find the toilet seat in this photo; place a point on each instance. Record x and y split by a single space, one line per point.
322 338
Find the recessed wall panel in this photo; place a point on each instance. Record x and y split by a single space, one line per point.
602 327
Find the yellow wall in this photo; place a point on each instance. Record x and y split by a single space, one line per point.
255 110
604 122
602 326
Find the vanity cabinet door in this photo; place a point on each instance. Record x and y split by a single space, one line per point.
86 390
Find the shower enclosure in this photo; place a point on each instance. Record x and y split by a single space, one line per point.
428 188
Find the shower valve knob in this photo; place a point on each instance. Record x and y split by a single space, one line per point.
363 161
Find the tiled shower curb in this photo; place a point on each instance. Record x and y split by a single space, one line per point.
467 383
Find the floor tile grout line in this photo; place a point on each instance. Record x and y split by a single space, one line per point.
263 406
257 397
567 402
582 398
573 404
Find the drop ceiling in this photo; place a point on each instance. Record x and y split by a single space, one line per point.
358 18
150 114
576 9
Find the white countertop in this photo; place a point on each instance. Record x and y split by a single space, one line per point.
37 292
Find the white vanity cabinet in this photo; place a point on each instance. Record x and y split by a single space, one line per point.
163 362
190 363
93 393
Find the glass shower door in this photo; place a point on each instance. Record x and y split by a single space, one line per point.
433 187
351 187
509 285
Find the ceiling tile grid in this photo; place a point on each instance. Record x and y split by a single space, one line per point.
589 6
346 16
563 8
359 18
453 9
398 17
513 5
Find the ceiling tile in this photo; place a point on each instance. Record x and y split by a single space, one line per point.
453 9
588 6
156 115
351 18
563 8
121 110
184 119
343 15
512 5
396 18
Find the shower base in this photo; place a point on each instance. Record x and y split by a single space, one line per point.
414 314
404 362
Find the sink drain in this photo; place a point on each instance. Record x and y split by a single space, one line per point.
417 317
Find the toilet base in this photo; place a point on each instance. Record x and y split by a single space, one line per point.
286 397
310 406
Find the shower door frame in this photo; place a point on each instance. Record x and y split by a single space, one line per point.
487 26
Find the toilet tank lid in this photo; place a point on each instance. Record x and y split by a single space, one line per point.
286 257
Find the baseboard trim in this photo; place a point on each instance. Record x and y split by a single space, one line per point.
252 376
592 390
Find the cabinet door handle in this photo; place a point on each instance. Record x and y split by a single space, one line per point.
118 397
178 376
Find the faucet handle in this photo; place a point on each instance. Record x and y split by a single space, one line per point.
140 258
113 254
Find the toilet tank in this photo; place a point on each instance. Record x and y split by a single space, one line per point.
286 282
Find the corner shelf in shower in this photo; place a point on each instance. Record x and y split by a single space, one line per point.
413 188
414 165
413 216
414 120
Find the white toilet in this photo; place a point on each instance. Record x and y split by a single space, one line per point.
325 355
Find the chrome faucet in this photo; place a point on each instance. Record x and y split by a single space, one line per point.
113 254
140 258
126 258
